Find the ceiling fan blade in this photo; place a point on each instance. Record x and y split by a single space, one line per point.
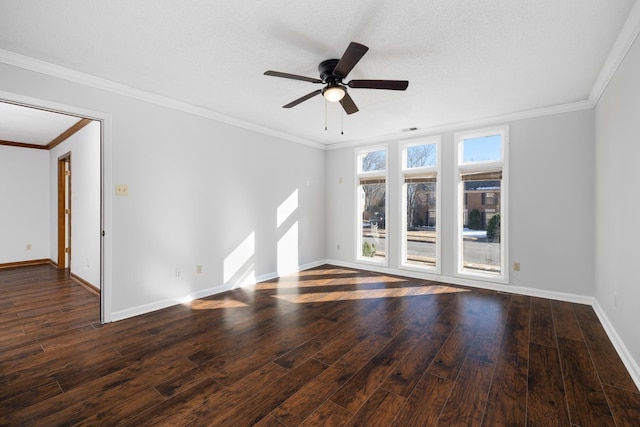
350 58
302 99
379 84
348 104
292 76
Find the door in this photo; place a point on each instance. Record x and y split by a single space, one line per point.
64 211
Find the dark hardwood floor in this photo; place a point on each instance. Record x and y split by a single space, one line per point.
329 346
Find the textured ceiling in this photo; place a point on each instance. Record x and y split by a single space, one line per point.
465 60
32 126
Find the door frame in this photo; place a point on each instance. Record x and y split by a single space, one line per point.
106 244
64 211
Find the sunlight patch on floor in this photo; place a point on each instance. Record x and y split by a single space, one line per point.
200 304
368 294
294 282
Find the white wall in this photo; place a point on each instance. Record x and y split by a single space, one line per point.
84 147
551 161
551 204
618 203
24 204
200 192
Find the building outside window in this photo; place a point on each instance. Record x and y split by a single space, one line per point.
482 215
420 168
372 204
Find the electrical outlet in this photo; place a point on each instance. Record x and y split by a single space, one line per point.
516 266
122 190
28 246
178 271
199 269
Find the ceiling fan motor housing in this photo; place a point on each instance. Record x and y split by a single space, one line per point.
326 71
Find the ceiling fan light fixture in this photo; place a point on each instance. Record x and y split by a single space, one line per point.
334 93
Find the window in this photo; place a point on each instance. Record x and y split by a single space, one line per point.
420 204
482 215
372 204
488 198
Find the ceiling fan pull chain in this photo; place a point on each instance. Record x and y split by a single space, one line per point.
325 114
342 123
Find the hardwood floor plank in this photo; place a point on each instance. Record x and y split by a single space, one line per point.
585 396
379 410
263 402
517 328
489 324
300 354
69 337
177 406
565 321
546 403
21 351
268 421
12 332
424 405
542 330
365 382
609 366
181 382
449 359
103 394
227 398
466 403
231 371
301 404
7 317
35 395
507 401
411 368
46 367
267 325
585 313
328 415
108 412
625 406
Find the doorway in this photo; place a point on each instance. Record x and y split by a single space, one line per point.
62 191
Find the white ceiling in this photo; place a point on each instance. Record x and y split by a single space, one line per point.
465 60
30 125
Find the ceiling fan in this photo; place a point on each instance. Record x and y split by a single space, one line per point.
332 74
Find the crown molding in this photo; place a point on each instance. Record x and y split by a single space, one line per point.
457 126
625 40
36 65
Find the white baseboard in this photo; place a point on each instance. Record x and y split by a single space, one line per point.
463 281
203 293
159 305
623 352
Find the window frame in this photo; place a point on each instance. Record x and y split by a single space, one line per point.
461 168
406 172
384 174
